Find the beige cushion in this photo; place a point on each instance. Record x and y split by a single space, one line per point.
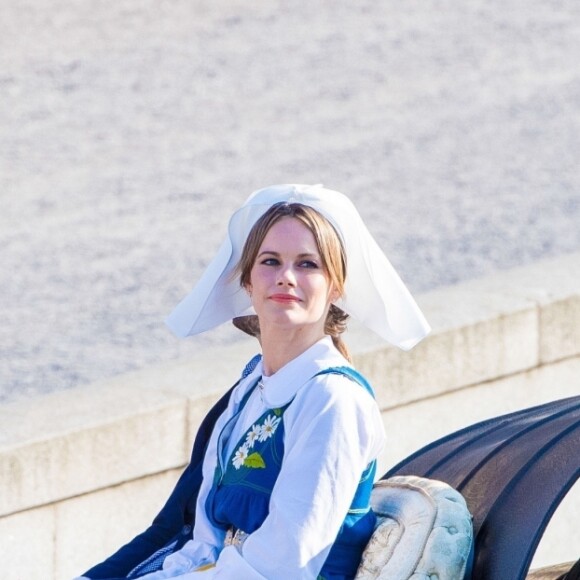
424 531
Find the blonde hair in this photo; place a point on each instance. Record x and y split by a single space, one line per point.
332 255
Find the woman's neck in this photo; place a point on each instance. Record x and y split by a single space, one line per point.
280 346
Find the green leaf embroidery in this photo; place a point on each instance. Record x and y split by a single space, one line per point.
277 412
254 460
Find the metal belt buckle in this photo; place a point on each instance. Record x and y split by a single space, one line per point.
235 537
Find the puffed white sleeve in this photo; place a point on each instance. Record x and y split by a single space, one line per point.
333 429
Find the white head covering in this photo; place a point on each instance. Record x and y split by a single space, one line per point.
374 294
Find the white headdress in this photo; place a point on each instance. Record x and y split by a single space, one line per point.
373 294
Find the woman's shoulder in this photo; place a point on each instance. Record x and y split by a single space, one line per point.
251 372
335 401
347 371
337 385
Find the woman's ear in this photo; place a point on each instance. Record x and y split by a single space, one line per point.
334 294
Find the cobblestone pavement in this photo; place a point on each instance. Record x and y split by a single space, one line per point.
130 130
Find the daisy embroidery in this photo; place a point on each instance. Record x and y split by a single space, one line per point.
253 435
240 456
269 427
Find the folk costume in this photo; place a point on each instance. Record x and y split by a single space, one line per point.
289 466
273 474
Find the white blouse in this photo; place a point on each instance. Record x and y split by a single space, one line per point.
332 430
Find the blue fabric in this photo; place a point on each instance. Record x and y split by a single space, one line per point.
240 496
154 562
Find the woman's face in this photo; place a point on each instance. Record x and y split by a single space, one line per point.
288 284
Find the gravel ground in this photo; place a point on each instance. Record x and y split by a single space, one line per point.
130 130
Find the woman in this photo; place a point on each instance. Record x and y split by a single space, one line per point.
289 465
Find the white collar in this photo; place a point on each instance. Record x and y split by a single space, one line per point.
285 383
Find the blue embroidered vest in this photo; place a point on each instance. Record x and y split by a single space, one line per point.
240 495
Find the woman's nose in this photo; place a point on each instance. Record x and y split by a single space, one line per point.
286 276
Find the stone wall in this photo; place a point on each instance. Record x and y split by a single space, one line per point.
82 471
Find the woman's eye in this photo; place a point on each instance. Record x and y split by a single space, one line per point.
270 262
308 264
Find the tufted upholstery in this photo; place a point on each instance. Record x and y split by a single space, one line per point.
424 532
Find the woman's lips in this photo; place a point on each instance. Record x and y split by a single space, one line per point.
284 298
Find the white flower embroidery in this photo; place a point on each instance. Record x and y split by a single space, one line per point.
269 427
240 456
253 436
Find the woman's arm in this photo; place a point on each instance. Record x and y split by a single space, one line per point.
208 540
178 511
